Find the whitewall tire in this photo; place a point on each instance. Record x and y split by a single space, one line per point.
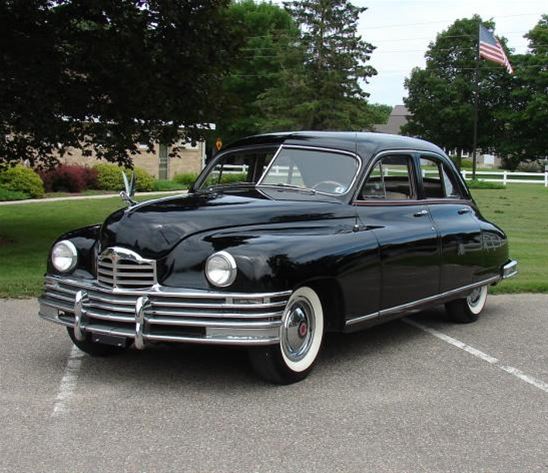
468 309
301 335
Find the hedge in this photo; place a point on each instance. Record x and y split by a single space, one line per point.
22 179
109 178
69 178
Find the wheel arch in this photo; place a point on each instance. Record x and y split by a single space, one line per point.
331 296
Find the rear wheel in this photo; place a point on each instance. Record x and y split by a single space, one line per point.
93 348
301 335
468 309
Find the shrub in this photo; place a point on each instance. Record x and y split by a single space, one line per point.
484 185
186 178
6 194
66 178
229 178
22 179
465 163
530 166
109 178
164 185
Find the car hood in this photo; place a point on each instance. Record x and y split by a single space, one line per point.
154 228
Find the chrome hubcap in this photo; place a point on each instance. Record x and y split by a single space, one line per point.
474 298
297 330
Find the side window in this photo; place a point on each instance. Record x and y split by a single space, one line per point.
390 179
437 180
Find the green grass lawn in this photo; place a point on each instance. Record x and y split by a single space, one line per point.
27 231
522 211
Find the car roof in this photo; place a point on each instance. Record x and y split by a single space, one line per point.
366 144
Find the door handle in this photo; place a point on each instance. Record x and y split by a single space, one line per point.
464 210
420 213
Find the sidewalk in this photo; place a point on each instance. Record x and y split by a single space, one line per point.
83 197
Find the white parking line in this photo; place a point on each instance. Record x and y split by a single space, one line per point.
481 355
68 382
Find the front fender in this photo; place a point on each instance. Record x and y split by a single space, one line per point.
85 240
269 258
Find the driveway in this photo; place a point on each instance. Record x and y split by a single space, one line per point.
420 394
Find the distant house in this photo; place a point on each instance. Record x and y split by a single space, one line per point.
398 118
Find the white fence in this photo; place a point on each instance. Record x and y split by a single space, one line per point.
242 169
507 177
504 177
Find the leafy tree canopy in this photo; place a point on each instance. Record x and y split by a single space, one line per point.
321 76
526 118
441 96
104 76
378 113
268 31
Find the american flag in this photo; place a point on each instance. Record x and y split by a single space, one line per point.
490 49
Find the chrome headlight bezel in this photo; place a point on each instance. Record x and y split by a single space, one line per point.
70 252
221 262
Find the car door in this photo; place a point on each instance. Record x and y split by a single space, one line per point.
388 205
454 216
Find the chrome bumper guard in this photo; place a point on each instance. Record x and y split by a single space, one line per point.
510 269
162 314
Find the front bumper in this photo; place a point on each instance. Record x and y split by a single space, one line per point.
510 269
162 314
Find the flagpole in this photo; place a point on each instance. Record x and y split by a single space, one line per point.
476 105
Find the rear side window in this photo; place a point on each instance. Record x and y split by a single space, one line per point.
390 179
437 180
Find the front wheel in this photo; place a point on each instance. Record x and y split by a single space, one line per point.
301 335
93 348
468 309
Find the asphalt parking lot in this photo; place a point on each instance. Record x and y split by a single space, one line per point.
464 398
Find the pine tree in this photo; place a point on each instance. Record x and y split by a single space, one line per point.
321 77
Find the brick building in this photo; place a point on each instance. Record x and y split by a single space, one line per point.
158 163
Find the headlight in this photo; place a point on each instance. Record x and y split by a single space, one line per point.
64 256
220 269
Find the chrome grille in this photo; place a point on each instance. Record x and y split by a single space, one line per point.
125 269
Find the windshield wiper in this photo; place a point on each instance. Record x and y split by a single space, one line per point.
294 186
227 184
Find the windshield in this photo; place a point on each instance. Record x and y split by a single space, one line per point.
322 171
238 167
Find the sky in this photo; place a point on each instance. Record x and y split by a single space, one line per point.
402 29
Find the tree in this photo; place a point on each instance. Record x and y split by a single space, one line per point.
268 30
320 81
378 113
104 76
526 120
441 96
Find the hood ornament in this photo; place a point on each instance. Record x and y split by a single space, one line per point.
129 191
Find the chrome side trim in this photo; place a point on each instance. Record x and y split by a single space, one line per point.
419 302
510 269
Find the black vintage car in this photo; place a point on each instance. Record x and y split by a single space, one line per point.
283 237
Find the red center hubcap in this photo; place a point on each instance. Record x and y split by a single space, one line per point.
303 328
